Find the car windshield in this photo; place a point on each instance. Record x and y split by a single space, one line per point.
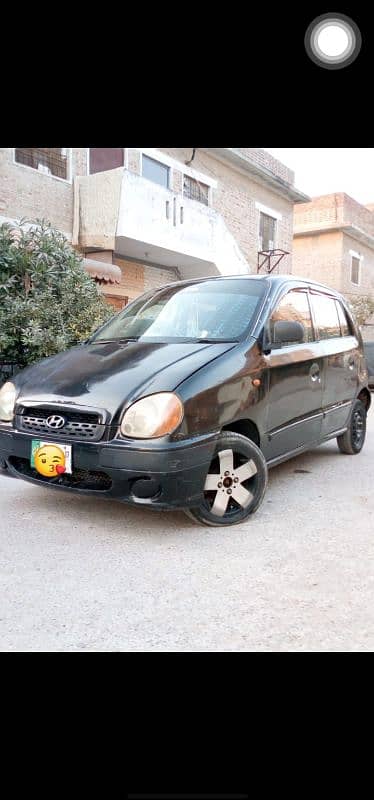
216 310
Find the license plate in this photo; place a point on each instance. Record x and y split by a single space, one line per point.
51 459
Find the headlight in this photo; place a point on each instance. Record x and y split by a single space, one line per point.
152 416
7 401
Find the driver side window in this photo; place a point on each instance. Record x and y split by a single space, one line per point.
293 307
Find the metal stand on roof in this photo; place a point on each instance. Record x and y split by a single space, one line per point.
264 258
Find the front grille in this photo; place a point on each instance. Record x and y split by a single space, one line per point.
80 478
78 424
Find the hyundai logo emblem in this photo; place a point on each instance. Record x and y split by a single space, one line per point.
55 421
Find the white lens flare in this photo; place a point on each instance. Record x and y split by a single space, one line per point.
333 40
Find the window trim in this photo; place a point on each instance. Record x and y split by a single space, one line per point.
270 212
178 166
317 293
360 259
346 317
69 179
125 161
170 170
209 197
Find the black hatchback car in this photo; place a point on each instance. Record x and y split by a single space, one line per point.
186 397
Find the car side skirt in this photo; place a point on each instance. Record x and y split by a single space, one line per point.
304 448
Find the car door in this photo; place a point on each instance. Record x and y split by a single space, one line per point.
341 358
294 413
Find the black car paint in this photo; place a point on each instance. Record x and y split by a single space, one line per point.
110 376
287 412
369 355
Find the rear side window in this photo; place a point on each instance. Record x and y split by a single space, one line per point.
293 307
326 316
344 325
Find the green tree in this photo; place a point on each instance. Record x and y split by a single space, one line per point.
47 301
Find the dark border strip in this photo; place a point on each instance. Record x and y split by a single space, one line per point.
196 796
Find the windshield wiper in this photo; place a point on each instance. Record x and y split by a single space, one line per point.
216 341
116 339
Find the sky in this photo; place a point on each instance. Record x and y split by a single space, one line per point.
324 170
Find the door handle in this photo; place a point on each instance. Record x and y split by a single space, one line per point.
351 362
314 373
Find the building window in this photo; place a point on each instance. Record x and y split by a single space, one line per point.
155 171
50 160
195 190
355 270
267 232
326 316
102 159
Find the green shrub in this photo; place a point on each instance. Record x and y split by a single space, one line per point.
47 301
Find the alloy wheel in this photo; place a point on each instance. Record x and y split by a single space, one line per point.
228 487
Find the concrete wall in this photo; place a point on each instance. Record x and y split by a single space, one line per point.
264 159
319 258
325 255
366 285
97 207
235 198
319 213
333 209
175 230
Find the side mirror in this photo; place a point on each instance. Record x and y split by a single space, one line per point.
288 331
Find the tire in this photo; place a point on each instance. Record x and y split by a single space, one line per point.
352 441
242 460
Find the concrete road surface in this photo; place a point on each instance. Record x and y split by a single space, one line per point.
78 574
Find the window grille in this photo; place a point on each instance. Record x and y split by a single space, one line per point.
50 160
195 190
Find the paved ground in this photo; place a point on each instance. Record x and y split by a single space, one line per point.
79 574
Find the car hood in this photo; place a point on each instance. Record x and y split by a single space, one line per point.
112 375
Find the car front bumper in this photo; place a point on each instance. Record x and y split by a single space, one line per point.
173 473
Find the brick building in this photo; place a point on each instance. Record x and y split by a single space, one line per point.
334 243
143 217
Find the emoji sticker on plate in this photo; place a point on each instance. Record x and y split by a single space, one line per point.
51 460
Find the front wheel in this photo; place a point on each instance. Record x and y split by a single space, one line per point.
236 482
352 441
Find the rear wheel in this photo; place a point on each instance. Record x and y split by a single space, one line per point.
352 441
235 484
